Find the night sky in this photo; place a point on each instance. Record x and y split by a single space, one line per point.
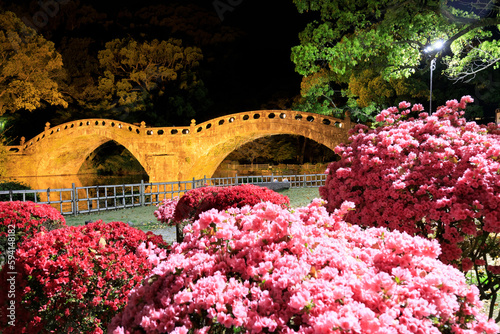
265 70
271 32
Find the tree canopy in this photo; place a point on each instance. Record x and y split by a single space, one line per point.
30 67
135 74
393 38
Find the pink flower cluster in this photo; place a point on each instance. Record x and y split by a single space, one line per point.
435 176
166 210
75 279
26 219
267 269
199 200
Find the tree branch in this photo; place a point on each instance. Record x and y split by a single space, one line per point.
477 6
473 67
478 24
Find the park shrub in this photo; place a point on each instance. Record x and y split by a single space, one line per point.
436 176
199 200
74 280
268 269
16 185
22 220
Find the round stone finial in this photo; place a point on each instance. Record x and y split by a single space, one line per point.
143 124
193 122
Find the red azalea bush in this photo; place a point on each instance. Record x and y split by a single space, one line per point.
23 220
74 280
267 269
436 176
199 200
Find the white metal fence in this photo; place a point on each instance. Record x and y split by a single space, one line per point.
75 200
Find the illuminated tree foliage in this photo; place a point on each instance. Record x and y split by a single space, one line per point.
368 91
135 74
389 37
30 68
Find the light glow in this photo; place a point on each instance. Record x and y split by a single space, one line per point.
436 46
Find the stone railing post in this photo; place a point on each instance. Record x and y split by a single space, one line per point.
192 126
142 192
74 200
143 128
21 144
47 126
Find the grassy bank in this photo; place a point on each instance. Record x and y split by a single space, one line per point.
144 217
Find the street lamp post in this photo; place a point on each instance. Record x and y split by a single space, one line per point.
433 48
433 67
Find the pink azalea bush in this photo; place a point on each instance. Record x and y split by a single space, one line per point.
436 176
24 220
74 280
267 269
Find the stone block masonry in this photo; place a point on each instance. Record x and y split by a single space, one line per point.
166 153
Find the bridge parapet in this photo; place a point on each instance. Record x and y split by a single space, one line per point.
232 119
85 123
276 116
266 116
15 149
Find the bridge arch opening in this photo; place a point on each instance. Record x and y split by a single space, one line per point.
113 159
278 154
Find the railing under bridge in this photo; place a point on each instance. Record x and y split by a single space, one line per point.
76 200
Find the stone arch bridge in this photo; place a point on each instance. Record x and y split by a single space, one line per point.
166 153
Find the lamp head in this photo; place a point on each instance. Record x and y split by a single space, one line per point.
436 46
